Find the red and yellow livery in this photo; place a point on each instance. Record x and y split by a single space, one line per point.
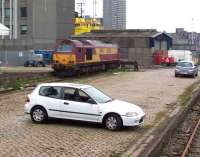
85 56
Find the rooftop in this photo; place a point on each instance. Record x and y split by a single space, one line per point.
123 33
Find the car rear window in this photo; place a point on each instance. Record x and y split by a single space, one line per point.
52 92
185 64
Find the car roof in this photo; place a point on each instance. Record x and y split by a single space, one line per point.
72 85
186 61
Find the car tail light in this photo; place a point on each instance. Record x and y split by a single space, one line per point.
27 99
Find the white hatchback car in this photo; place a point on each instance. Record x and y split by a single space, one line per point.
81 102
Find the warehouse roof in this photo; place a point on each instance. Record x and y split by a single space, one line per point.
123 33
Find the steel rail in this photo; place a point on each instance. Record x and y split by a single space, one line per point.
190 140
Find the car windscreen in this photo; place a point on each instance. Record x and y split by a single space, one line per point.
97 95
184 64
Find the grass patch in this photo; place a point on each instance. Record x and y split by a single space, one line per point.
17 84
186 95
159 116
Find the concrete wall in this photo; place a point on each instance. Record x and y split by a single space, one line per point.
47 21
44 19
15 45
65 18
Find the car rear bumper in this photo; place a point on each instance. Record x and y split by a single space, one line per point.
185 73
27 108
133 121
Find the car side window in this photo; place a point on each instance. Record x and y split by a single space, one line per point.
52 92
69 94
83 97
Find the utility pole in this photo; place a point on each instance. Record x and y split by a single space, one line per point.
80 5
94 9
192 31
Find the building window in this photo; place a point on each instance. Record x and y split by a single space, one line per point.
7 12
23 12
24 29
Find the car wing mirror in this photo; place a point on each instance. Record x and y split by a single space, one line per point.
90 101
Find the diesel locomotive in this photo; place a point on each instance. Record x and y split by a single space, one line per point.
84 56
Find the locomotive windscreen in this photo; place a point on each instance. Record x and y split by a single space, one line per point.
64 48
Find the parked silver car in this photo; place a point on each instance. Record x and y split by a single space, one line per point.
186 68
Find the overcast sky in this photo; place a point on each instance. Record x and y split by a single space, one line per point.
164 15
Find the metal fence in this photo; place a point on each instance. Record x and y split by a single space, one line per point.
14 58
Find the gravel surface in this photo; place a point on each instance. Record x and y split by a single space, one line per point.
153 90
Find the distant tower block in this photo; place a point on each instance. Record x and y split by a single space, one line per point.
114 14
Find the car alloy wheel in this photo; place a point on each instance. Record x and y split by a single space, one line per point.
38 115
113 122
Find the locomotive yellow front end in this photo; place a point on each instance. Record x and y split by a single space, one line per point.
64 57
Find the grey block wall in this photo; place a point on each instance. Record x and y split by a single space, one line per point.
142 55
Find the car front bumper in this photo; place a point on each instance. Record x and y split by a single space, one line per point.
133 121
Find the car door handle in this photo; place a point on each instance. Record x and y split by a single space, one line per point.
66 103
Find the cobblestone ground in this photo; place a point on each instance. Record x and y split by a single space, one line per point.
153 90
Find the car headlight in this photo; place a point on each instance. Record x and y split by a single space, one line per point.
177 69
191 70
131 114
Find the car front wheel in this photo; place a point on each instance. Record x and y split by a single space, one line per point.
113 122
38 115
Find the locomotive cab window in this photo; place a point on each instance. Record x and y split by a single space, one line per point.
89 54
64 48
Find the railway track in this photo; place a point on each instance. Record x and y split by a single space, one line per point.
192 148
185 140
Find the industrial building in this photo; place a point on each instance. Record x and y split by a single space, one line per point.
35 24
184 40
114 14
135 45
